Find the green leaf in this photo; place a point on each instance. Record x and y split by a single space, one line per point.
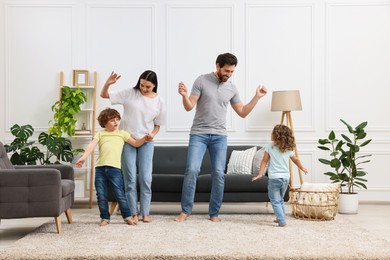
332 135
362 125
346 138
324 148
324 161
365 143
350 129
23 132
335 163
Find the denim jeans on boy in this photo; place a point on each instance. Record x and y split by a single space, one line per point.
217 146
276 190
109 176
144 154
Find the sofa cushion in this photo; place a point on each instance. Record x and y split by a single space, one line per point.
257 160
240 162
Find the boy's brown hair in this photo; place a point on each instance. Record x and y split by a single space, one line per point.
106 115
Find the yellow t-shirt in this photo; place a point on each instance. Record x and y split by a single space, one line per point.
110 147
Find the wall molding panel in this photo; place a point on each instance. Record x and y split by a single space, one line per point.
186 40
265 30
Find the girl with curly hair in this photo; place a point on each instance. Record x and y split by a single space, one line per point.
277 155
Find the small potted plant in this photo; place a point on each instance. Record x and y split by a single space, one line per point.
65 111
346 160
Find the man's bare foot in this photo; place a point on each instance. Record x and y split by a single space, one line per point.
135 219
215 219
182 217
103 223
147 219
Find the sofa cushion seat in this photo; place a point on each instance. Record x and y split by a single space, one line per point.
167 182
234 183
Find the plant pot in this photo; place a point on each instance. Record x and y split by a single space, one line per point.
348 203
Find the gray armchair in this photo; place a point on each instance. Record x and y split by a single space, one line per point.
35 190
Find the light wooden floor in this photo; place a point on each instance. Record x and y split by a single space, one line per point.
371 216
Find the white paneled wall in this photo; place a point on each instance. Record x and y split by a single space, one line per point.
335 52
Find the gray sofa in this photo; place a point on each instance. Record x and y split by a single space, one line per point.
35 190
169 163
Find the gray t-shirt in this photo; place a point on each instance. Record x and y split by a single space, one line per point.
211 108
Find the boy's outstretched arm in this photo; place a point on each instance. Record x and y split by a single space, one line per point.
90 148
136 143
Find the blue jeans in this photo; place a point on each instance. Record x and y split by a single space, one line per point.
217 146
144 154
276 190
109 176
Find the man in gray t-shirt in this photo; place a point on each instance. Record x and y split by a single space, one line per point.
211 93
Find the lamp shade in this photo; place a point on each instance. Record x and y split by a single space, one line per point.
286 100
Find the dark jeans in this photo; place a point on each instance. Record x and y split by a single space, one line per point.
109 176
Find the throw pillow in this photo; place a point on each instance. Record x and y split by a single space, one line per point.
240 162
257 160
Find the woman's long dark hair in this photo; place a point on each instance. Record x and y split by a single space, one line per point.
150 76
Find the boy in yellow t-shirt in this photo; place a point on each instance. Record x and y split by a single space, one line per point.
108 163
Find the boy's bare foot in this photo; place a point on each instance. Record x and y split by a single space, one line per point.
147 219
182 217
215 219
103 223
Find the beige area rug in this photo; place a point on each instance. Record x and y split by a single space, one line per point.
247 236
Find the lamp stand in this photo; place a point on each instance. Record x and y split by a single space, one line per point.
286 115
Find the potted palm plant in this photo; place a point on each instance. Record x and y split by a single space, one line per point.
346 162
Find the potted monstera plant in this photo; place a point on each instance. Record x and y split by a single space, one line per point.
25 152
346 160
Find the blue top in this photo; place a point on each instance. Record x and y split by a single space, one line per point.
278 164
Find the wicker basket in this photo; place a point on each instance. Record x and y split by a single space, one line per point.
314 205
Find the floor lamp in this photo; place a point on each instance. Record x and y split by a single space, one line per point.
287 101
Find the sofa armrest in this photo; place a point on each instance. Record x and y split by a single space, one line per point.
67 171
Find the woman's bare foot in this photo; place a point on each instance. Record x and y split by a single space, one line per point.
130 221
215 219
146 219
182 217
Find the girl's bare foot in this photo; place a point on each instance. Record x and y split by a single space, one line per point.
182 217
147 219
215 219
